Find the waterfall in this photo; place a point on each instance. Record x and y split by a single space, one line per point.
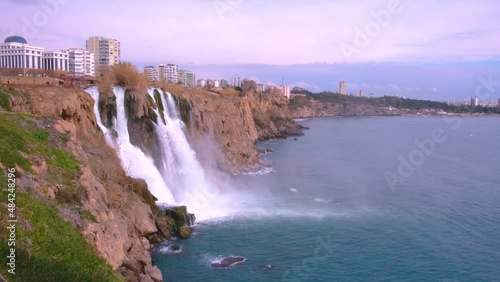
135 162
177 177
180 167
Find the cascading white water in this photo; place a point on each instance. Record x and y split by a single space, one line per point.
176 168
134 161
181 167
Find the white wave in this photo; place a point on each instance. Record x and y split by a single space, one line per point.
321 200
209 259
169 250
293 190
264 171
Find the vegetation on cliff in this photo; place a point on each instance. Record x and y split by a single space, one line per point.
124 74
385 102
48 248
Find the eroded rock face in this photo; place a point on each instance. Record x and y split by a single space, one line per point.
123 218
222 130
230 126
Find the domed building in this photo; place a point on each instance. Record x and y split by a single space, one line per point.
16 53
15 39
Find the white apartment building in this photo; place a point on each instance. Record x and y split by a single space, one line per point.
236 81
106 50
172 73
187 78
343 87
285 91
151 72
55 60
202 83
81 62
16 53
168 72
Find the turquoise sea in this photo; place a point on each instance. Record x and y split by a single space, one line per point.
327 212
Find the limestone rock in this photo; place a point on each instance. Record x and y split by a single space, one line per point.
184 232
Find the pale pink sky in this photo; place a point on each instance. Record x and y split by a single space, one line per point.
416 48
271 32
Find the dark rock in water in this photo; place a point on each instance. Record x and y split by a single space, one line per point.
303 127
174 248
179 214
269 150
229 261
295 139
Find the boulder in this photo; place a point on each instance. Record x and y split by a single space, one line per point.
184 232
166 226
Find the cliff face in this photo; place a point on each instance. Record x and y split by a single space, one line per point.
316 108
122 218
113 211
222 129
231 124
303 107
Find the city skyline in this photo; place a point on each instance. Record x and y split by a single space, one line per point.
445 54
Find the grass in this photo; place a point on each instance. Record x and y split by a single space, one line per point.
13 142
5 101
20 136
49 248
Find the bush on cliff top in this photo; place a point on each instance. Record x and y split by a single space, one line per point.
124 74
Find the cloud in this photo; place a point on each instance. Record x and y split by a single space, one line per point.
434 89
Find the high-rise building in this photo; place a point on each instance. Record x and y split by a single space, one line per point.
187 78
202 83
474 101
161 72
223 83
498 103
343 87
151 72
106 50
81 62
55 60
236 81
172 74
361 93
16 53
285 91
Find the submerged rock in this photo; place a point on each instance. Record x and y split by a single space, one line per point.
229 261
267 267
174 248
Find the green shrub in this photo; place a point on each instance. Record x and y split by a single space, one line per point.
5 101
